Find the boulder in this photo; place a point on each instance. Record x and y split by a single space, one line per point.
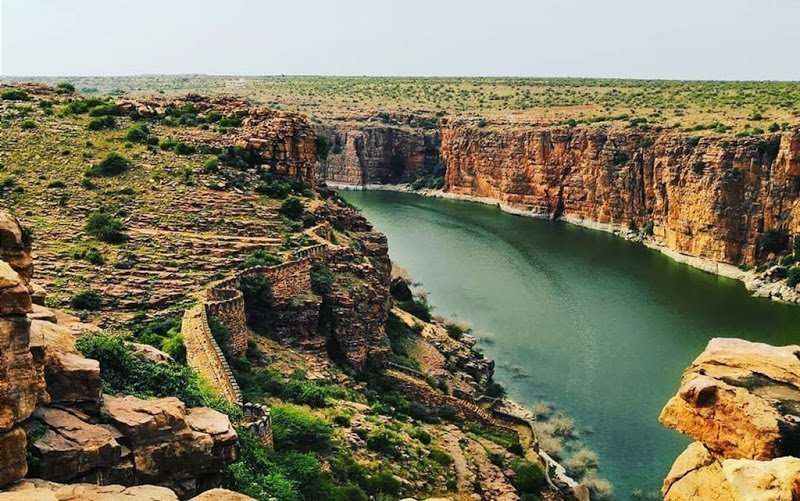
20 382
15 298
35 490
221 495
699 474
13 465
144 421
71 446
219 428
71 378
15 246
740 399
151 353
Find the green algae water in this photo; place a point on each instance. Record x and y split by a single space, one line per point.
597 325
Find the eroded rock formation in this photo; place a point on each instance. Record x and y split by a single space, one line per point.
739 400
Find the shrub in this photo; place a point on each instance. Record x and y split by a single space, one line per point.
292 208
441 457
28 125
138 133
258 300
698 167
495 389
418 307
113 165
65 87
182 148
383 483
323 147
321 279
103 110
86 300
456 331
211 166
296 428
259 257
619 158
385 441
15 95
168 144
775 241
100 123
793 276
528 478
91 254
105 228
274 189
123 372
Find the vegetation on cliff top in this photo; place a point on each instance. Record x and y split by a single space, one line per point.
693 106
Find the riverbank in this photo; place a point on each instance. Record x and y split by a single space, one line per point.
759 284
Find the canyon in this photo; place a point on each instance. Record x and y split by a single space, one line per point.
708 201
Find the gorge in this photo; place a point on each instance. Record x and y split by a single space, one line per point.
600 326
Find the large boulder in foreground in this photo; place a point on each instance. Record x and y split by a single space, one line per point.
699 474
42 490
741 400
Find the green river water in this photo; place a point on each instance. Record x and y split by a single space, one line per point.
597 325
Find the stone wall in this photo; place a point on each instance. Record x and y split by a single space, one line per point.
227 308
205 356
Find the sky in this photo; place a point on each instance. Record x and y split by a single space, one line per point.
671 39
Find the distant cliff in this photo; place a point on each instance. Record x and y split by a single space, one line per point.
707 200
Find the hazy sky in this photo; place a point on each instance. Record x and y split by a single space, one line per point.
698 39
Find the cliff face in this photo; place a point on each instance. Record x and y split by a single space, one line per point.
709 198
377 153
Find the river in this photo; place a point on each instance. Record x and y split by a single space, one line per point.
599 326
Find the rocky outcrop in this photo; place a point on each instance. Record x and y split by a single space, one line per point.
285 141
377 152
134 441
42 490
21 383
739 400
710 198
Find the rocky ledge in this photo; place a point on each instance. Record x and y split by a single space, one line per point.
740 401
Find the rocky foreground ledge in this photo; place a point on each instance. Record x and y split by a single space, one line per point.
740 401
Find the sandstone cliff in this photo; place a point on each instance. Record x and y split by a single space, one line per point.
706 197
739 401
388 151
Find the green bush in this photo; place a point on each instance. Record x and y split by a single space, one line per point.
164 334
258 301
123 372
321 279
385 441
66 87
90 254
182 148
296 428
104 110
86 300
418 307
528 478
15 95
383 483
168 144
28 125
105 228
113 164
292 208
259 257
100 123
138 133
793 276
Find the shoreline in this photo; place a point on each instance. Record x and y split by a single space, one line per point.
753 282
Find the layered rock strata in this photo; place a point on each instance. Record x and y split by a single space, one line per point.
710 198
740 401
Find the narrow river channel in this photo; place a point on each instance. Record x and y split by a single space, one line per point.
597 325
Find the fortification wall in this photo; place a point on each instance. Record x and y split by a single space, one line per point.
229 310
205 356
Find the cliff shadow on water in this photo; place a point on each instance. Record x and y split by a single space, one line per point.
598 325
